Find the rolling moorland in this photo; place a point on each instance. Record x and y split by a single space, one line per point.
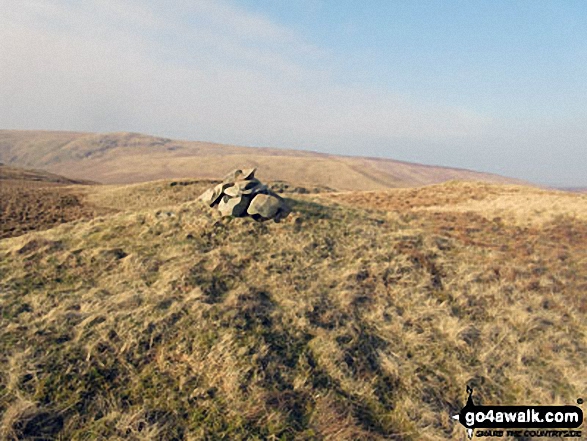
118 158
363 315
34 199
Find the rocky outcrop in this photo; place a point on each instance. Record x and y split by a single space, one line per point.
241 194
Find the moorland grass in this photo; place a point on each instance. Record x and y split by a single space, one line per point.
348 320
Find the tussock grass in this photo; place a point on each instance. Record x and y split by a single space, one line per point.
520 205
29 206
158 194
348 320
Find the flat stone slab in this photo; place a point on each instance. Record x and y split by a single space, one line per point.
212 196
248 173
239 175
244 187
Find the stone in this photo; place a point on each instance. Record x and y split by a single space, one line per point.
212 195
260 189
233 191
232 176
240 194
240 175
235 207
266 205
247 184
248 173
243 187
207 196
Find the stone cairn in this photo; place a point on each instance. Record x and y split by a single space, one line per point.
240 194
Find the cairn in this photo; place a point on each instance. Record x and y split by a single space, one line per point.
241 194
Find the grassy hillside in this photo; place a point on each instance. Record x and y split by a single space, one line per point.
361 316
36 200
32 200
19 176
129 158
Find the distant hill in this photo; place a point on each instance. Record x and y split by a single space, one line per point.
575 189
17 175
119 158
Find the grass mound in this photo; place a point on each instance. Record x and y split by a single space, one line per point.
341 322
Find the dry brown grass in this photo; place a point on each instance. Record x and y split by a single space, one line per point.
16 176
36 200
24 209
519 205
32 200
359 317
134 197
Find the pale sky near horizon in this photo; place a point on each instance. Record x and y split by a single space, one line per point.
497 86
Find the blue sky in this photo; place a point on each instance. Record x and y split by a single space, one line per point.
484 55
489 85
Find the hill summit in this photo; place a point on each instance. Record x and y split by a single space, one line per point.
362 315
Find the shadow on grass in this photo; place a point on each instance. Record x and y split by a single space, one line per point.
310 209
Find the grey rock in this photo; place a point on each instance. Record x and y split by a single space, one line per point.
212 195
233 206
243 187
240 175
259 189
233 191
240 194
207 196
268 206
248 173
232 176
247 184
